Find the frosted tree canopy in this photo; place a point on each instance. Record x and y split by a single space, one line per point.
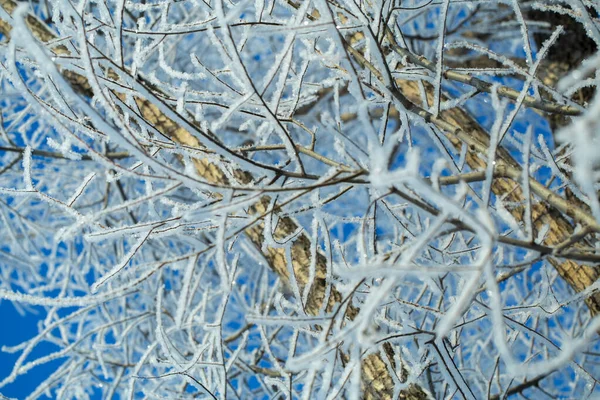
302 200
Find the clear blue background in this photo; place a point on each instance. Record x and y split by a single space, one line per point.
14 329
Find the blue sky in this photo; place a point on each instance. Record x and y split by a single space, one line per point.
15 329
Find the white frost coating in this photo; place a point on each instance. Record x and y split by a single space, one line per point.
124 261
383 178
160 332
507 217
250 88
552 164
571 347
587 67
458 101
378 173
59 302
183 296
129 231
100 123
530 77
206 141
584 134
524 31
495 137
439 58
118 16
221 258
396 254
216 125
452 374
525 184
27 169
438 167
80 189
